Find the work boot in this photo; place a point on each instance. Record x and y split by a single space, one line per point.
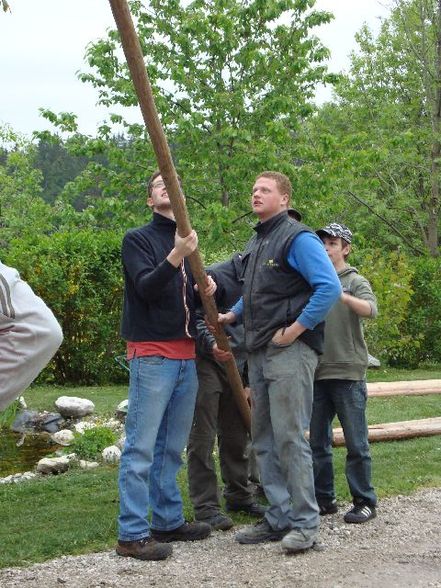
186 532
254 509
145 549
261 532
300 539
218 522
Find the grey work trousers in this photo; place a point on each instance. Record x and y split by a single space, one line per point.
281 379
216 415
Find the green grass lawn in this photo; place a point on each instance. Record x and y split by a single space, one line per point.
395 374
76 512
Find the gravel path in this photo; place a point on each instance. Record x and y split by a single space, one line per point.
401 547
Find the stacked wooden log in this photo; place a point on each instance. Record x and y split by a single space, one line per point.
403 429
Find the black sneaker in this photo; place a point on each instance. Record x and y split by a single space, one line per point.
253 510
261 532
187 532
327 507
360 513
145 549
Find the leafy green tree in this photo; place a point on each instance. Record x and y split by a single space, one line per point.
379 143
22 209
233 81
57 166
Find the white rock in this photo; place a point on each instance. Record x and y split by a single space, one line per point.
83 426
122 406
72 406
111 454
22 402
88 465
52 465
113 424
64 437
70 456
121 441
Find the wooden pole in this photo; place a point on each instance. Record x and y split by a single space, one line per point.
141 82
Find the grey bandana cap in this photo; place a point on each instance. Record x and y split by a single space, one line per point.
336 230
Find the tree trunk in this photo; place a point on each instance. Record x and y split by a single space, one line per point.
434 201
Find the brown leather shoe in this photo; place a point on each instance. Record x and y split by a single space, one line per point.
146 548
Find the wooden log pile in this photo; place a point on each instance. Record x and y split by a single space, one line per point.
403 429
417 387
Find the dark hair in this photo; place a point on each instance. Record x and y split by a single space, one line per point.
346 244
282 181
153 177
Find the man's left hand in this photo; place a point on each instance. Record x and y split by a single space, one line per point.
210 288
283 337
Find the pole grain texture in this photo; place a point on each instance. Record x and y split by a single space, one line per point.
141 82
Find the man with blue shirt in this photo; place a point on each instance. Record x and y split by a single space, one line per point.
289 287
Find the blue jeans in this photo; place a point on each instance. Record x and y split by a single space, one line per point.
347 400
281 380
162 394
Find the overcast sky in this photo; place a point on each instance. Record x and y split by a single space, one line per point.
42 46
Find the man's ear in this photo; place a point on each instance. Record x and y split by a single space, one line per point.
149 202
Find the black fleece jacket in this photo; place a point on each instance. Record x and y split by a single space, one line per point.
226 274
158 298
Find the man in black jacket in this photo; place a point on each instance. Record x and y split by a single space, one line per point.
158 324
289 287
217 415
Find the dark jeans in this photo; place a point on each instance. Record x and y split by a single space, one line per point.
347 400
216 416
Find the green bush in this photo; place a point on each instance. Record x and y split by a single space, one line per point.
407 331
78 274
390 275
424 317
90 444
7 416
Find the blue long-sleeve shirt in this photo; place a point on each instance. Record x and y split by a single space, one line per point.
308 256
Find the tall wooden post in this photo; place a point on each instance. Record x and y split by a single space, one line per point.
141 82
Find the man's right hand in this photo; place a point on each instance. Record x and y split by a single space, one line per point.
184 246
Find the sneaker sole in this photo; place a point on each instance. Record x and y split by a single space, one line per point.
146 557
359 522
300 549
291 551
